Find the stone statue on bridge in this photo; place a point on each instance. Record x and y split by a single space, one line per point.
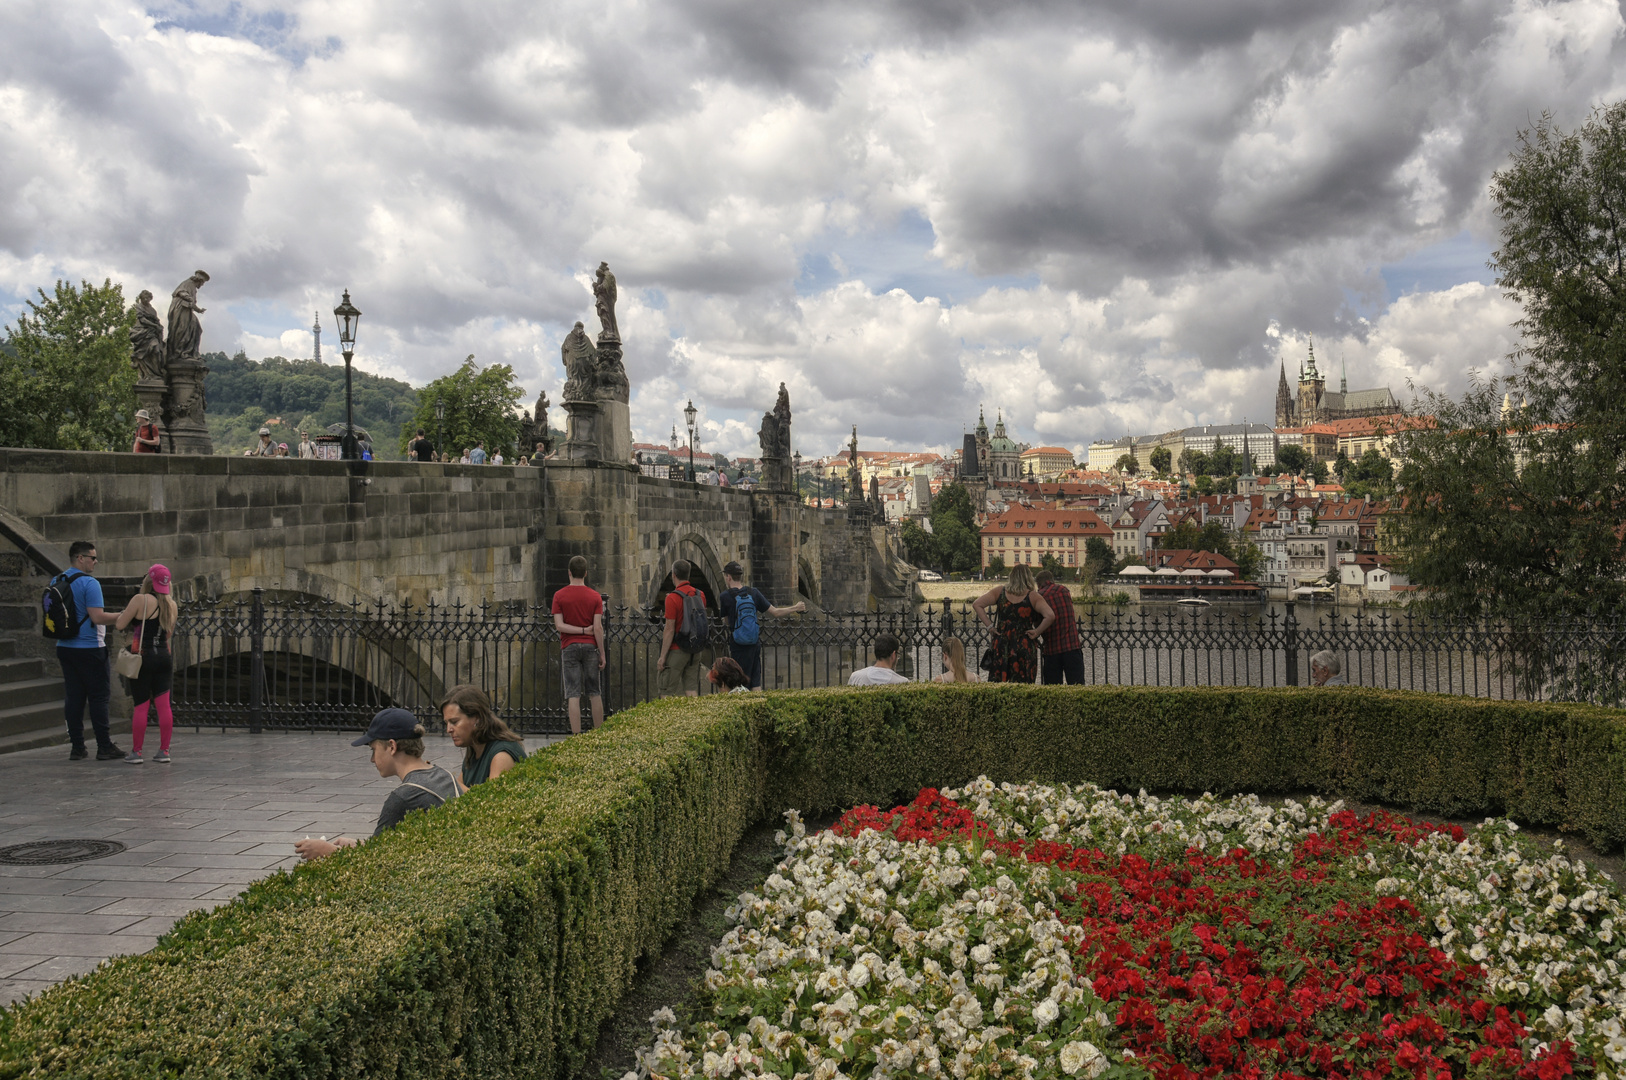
185 331
580 358
147 339
604 303
774 435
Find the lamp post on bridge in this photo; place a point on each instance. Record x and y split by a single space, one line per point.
348 318
440 426
796 470
688 415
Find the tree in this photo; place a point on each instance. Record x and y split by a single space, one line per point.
1341 465
1318 470
1372 474
919 544
66 375
1048 561
1194 462
957 541
1188 536
1098 554
1295 459
1519 516
480 404
1161 460
1247 558
996 566
1127 464
1205 484
1224 461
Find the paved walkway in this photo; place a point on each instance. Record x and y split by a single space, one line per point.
224 813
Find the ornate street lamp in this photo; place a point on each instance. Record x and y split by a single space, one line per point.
348 318
688 416
440 426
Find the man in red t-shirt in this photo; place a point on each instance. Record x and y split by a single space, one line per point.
677 657
146 439
578 615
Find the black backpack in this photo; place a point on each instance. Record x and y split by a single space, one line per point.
693 631
61 611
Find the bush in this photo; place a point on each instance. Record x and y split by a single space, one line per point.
494 936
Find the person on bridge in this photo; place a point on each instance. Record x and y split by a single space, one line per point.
477 456
882 672
86 681
490 747
1326 669
681 638
578 616
1063 649
153 613
423 451
396 741
742 607
146 436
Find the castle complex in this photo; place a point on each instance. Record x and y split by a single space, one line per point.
1316 404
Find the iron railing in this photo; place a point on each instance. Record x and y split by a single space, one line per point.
269 664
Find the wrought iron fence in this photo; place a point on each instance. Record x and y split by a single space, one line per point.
257 663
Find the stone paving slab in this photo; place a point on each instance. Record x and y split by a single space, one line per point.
223 814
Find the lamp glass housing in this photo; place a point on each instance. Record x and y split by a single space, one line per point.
689 414
348 318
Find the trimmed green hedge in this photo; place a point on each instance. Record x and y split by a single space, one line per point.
493 937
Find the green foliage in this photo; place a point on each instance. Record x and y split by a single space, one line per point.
997 567
1520 515
1204 484
1247 557
290 396
1127 464
918 544
1295 459
1098 555
957 542
1188 536
66 374
480 407
1161 459
493 936
1194 461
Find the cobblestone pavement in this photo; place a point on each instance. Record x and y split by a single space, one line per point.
197 831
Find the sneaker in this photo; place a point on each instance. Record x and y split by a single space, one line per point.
133 758
78 753
109 753
162 757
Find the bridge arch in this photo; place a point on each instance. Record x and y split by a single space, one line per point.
707 574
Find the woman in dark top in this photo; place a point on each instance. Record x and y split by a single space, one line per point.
151 616
490 747
1023 616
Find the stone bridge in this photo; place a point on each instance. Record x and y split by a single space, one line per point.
408 532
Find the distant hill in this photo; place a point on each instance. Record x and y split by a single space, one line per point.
290 396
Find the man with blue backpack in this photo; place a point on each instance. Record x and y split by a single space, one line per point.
76 617
743 607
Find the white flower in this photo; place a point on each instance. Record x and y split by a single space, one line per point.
982 954
1554 1017
1045 1012
1085 1057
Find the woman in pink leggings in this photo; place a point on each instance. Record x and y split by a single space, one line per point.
153 614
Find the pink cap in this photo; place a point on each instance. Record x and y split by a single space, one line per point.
159 575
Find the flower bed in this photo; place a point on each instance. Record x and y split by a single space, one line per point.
1046 930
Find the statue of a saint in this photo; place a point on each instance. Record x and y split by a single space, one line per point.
580 358
147 339
604 302
185 332
774 435
542 421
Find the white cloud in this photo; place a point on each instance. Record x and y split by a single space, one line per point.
1158 182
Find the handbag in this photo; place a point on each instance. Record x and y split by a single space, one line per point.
127 663
989 659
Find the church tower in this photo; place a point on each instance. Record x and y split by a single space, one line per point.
1312 385
1284 400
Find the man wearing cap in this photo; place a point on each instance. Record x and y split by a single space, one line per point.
742 607
396 739
267 448
146 438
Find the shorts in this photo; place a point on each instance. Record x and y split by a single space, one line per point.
580 663
157 677
748 657
1067 665
677 678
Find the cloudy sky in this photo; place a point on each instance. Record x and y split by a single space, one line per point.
1099 217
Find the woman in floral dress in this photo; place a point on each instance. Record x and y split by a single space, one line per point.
1023 616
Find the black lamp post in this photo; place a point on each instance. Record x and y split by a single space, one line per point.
348 318
440 426
688 415
796 469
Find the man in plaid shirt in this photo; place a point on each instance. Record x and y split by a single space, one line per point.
1063 650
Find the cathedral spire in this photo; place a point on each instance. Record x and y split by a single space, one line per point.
1343 379
1284 400
1313 372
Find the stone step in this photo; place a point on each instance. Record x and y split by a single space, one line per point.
58 735
15 668
34 717
15 695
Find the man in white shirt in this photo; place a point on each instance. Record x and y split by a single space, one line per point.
881 673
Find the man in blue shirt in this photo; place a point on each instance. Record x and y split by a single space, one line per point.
749 653
477 456
83 657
